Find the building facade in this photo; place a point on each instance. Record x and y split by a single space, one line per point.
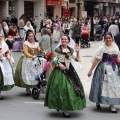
56 9
103 7
31 8
42 8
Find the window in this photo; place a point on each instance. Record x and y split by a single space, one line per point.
12 8
72 1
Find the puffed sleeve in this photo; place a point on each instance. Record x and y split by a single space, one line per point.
98 54
25 49
38 49
74 56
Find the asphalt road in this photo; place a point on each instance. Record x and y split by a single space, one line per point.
17 106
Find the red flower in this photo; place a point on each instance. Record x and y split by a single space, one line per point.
49 56
42 49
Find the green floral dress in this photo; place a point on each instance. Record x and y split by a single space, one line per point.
64 89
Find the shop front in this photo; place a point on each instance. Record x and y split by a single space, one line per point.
32 9
53 8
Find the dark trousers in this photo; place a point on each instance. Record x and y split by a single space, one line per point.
77 39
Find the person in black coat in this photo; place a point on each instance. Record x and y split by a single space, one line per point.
117 40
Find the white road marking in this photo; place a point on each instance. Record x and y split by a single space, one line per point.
42 103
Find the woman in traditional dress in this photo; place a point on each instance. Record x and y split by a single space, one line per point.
26 68
3 31
5 26
17 42
6 72
105 88
66 27
56 31
11 34
64 90
27 27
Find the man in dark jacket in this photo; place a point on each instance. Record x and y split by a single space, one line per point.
77 32
117 40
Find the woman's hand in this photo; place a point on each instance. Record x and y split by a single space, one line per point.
77 48
89 73
6 39
33 57
62 67
8 57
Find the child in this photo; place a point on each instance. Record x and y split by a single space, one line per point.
17 43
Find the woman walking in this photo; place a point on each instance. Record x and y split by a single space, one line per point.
64 90
25 71
105 88
6 72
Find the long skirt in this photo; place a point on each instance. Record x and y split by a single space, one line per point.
60 93
26 71
18 76
105 89
6 75
17 45
56 35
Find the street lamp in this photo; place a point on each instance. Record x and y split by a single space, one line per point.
78 3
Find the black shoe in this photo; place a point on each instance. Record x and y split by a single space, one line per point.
98 106
112 110
66 115
57 110
28 93
1 98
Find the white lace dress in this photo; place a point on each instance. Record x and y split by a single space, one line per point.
31 67
6 68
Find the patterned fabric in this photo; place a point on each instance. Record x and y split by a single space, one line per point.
6 72
105 91
105 87
2 86
61 94
30 68
27 68
18 75
17 45
62 90
110 59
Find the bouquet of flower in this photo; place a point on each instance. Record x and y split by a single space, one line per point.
42 53
53 59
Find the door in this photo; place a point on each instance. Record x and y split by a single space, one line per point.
29 9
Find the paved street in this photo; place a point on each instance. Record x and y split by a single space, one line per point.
17 106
